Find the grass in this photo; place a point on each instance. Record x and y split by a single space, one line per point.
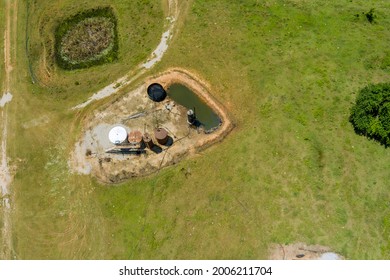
58 209
2 22
293 170
140 24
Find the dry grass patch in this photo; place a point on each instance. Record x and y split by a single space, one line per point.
86 39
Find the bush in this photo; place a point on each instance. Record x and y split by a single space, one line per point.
370 16
370 116
67 59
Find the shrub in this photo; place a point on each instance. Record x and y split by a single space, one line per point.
370 116
86 39
370 16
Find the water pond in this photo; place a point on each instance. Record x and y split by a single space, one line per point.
187 98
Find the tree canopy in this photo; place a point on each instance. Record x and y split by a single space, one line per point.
370 116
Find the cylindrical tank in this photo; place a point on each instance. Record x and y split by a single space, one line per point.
156 92
161 135
148 140
191 117
117 135
135 137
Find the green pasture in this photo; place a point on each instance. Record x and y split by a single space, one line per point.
292 170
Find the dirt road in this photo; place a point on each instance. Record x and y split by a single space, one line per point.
5 174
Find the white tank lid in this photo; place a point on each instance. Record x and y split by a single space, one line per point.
117 135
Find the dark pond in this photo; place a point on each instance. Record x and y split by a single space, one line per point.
187 98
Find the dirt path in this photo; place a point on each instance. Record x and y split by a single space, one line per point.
5 174
7 45
156 56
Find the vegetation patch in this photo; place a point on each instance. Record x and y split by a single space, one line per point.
86 39
370 116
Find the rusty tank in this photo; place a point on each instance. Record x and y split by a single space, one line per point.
161 135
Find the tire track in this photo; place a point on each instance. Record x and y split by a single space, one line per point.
5 174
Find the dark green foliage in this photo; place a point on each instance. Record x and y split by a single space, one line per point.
370 116
370 16
69 23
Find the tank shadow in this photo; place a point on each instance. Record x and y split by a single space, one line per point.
156 149
169 142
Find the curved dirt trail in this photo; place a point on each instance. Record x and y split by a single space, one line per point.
156 56
5 174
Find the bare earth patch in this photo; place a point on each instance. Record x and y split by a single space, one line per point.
301 251
7 97
135 111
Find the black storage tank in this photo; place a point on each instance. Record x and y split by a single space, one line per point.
156 92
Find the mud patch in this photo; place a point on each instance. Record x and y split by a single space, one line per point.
136 112
301 251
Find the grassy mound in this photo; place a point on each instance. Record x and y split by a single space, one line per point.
88 38
370 116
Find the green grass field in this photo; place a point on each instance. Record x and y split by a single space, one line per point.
1 87
140 24
292 170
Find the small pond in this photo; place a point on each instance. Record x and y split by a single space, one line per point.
187 98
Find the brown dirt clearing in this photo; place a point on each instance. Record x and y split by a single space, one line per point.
89 155
301 251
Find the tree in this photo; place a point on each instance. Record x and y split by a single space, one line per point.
370 116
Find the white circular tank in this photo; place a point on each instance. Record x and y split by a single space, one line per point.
117 135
